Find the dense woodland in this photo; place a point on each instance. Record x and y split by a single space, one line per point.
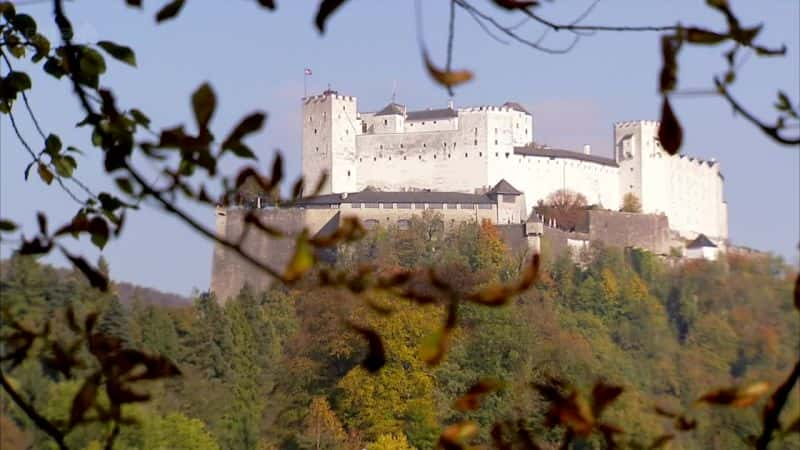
278 369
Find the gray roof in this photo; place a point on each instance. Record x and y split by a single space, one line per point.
701 241
431 114
516 106
504 187
532 150
391 109
395 197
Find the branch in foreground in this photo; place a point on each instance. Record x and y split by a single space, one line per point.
40 421
769 130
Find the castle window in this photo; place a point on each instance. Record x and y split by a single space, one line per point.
348 173
385 122
517 126
374 158
466 155
454 145
448 155
496 154
360 159
526 131
495 131
507 154
315 131
495 142
346 131
390 158
309 119
316 149
476 142
404 158
338 116
401 145
424 145
420 157
444 144
434 121
342 107
480 154
423 123
434 156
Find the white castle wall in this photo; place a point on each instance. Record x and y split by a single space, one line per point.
475 150
687 190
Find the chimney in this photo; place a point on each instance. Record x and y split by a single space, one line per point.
587 149
450 104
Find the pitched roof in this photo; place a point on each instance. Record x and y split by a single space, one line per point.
504 187
431 114
531 150
391 109
516 106
701 241
395 197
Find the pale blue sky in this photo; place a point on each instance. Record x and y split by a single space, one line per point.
255 60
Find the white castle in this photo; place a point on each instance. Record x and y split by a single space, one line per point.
472 149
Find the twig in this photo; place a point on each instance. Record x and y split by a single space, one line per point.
775 404
41 422
771 131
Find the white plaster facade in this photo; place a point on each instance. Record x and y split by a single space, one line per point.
471 149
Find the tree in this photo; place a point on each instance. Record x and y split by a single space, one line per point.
631 203
322 428
567 207
396 441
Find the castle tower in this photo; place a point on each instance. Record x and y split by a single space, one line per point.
330 126
643 165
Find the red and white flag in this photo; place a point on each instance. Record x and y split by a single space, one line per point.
307 71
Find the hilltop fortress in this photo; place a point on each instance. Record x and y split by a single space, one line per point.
479 163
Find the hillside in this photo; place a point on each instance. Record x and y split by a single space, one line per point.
281 369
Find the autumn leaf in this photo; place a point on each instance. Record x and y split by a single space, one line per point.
515 4
169 11
669 132
471 400
446 78
326 8
737 397
302 260
376 357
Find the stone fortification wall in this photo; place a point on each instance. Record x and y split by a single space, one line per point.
230 272
647 231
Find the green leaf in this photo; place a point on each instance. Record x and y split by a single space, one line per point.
169 11
17 81
25 24
302 260
120 52
140 118
203 103
42 45
65 165
7 225
52 145
91 63
125 185
45 174
98 228
53 67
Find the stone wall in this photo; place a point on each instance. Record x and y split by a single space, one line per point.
230 272
647 231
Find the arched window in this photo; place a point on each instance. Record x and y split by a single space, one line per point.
371 224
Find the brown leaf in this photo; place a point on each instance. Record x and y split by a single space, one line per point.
661 441
737 397
701 36
797 292
669 132
473 397
277 170
95 277
446 78
669 64
376 357
119 394
326 8
170 10
515 4
602 395
434 346
83 400
204 102
456 435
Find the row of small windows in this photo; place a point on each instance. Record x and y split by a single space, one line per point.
469 206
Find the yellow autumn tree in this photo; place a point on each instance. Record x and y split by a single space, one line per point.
323 430
395 441
399 399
